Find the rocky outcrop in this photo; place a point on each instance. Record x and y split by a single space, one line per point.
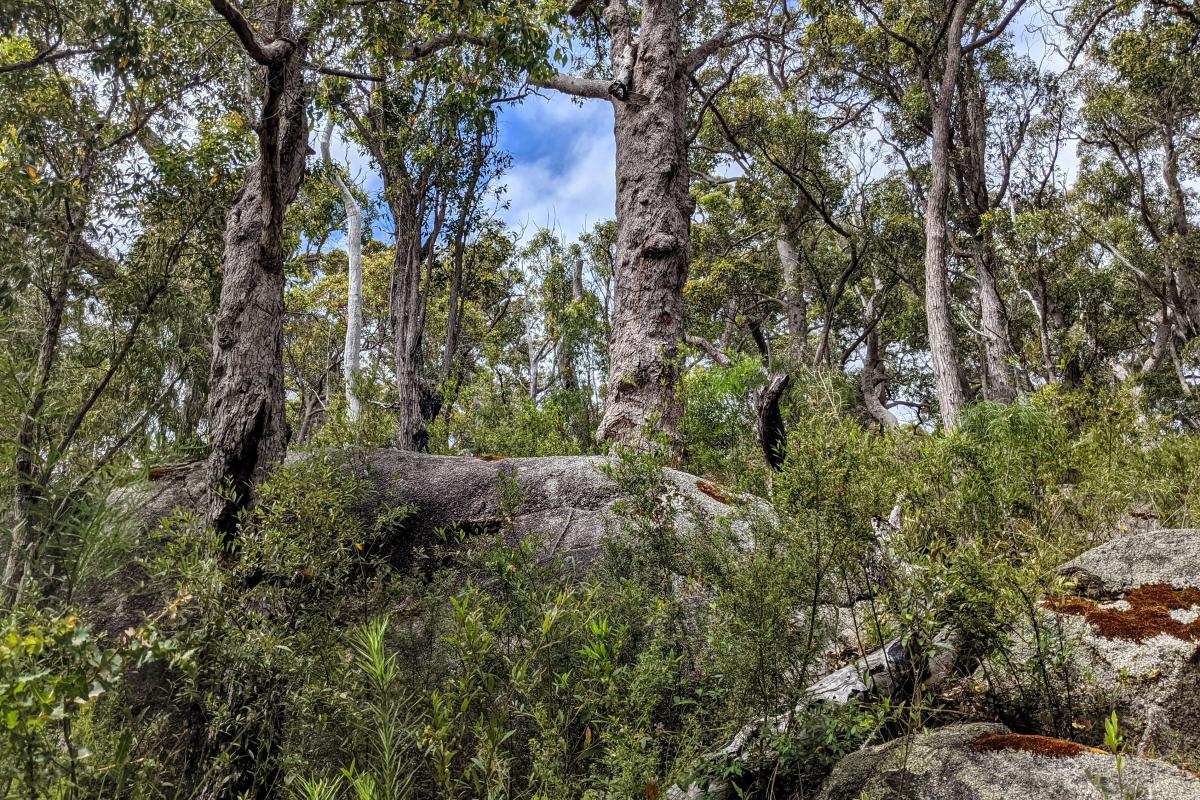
568 500
985 761
1131 630
1138 559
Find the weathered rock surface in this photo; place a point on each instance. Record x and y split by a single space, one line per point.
1138 559
567 499
1131 628
984 761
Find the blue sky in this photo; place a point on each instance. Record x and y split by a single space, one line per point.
563 168
563 165
563 153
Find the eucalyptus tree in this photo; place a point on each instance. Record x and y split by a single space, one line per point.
286 41
652 51
352 351
247 421
1140 125
105 211
423 110
912 60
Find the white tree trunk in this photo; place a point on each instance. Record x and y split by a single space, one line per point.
353 349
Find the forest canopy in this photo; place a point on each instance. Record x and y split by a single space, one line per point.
912 290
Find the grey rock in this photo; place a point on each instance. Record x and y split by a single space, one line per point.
945 764
1169 556
568 500
1153 684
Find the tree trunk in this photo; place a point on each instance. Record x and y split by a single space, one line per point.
1185 283
465 215
654 211
873 378
23 537
769 427
453 311
997 382
353 348
407 320
795 308
976 201
943 349
246 401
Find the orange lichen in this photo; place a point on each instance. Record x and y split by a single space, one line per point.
1148 613
484 457
1039 745
713 491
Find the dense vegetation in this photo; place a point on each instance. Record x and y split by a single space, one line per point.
930 262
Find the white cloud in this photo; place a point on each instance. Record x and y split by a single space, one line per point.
563 173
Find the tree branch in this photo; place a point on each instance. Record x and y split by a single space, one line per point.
47 56
988 38
343 73
591 88
710 349
695 59
265 54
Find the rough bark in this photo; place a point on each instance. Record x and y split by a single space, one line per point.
351 354
976 201
654 211
246 400
414 395
943 348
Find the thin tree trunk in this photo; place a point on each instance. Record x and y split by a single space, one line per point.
795 307
453 310
976 201
23 538
654 211
943 348
352 354
466 210
246 401
873 378
1185 283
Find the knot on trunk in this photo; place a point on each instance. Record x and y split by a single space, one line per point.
660 245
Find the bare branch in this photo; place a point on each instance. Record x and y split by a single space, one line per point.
591 88
343 73
710 349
